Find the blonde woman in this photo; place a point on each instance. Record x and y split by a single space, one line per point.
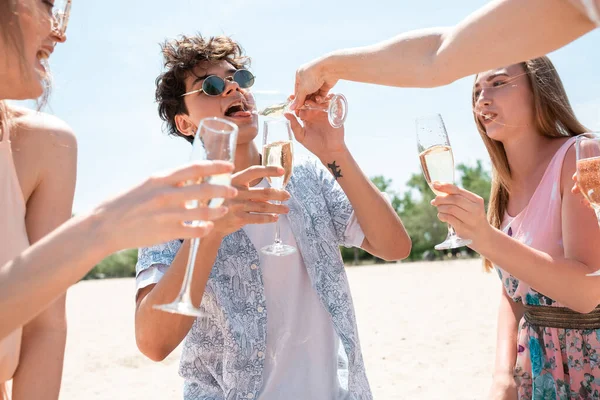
37 172
540 237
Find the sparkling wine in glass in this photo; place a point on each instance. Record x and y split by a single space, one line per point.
215 140
587 148
437 163
335 105
278 151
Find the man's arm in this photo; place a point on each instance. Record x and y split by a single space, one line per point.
385 236
158 333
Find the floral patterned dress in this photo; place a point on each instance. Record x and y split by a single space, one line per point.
552 363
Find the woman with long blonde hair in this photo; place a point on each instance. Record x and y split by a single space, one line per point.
41 255
538 235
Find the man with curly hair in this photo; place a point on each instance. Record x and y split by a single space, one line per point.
272 327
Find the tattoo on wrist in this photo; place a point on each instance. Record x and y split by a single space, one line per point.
335 170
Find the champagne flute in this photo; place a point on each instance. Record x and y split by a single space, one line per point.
336 107
437 163
278 151
587 149
215 139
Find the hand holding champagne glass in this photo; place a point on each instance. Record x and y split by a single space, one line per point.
278 151
215 140
335 105
437 163
587 149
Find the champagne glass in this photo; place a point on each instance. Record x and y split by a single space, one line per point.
587 149
278 151
215 140
336 107
437 163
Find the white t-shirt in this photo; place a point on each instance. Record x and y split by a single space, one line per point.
302 346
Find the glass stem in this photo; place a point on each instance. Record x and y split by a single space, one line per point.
185 295
277 229
312 108
451 231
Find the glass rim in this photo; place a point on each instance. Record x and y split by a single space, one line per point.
429 116
205 123
277 121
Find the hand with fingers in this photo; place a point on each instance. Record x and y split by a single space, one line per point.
311 81
316 133
154 211
464 210
252 205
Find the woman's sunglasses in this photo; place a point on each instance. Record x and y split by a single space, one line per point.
215 85
60 15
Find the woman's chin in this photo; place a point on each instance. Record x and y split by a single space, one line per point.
495 133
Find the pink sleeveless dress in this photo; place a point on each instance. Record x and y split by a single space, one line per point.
13 240
552 363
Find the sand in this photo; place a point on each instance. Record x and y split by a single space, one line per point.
427 332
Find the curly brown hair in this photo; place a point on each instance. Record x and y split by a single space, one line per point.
181 56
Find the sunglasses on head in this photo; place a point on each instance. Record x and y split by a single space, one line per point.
60 16
215 85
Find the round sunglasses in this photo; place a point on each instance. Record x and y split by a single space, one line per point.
215 85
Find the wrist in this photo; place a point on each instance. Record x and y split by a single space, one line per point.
338 155
486 240
337 163
331 66
214 238
95 234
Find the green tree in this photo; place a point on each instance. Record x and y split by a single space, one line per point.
355 255
413 206
420 218
476 179
117 265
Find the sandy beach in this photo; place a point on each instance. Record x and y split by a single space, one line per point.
427 331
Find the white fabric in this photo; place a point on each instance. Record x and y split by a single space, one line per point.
354 236
302 346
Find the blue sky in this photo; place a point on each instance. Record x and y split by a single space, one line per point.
105 73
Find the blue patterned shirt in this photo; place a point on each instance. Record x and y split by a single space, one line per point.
223 354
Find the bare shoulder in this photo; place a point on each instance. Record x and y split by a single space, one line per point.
44 129
44 148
